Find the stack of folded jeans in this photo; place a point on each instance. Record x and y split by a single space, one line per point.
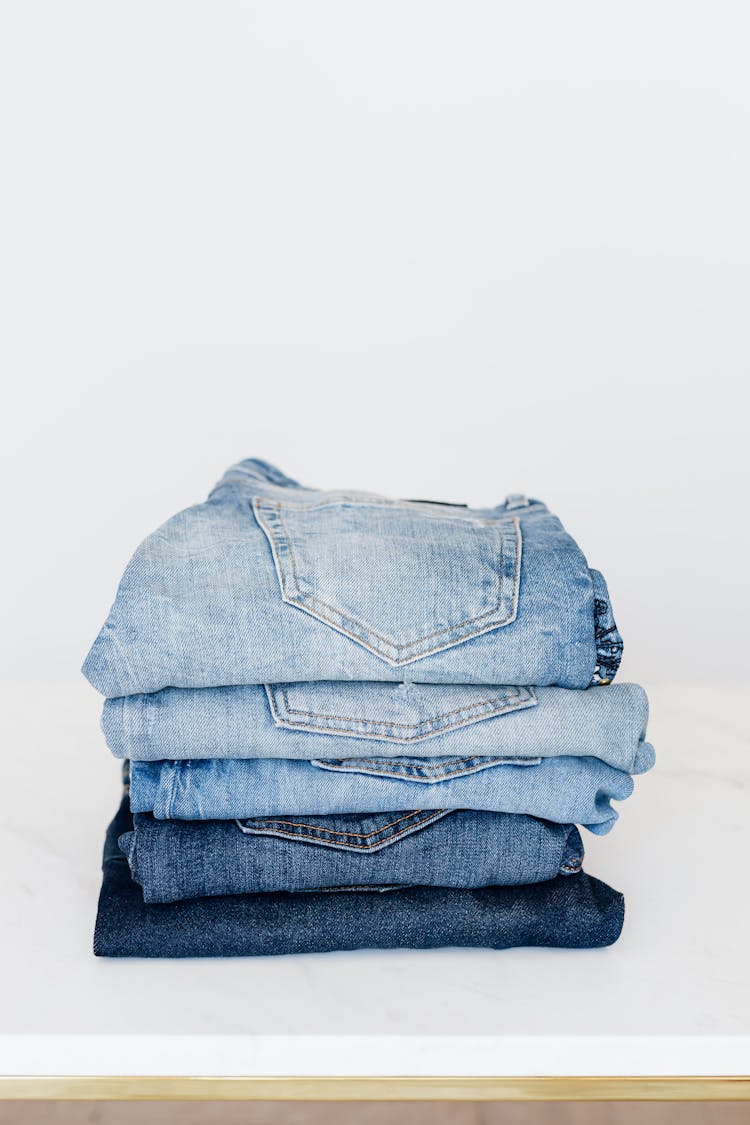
357 722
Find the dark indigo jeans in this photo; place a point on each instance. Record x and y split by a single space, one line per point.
573 911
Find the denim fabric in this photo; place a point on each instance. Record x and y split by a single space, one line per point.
565 790
270 582
573 911
341 720
178 859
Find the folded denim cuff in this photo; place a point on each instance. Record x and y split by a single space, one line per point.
606 636
572 857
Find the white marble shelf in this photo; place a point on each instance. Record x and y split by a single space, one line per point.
672 997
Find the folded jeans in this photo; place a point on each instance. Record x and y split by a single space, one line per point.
573 911
307 720
566 790
271 582
180 859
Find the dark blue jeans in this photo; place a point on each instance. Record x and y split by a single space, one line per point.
179 859
574 911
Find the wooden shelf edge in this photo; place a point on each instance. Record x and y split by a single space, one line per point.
416 1088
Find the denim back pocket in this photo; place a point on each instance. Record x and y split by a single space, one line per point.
404 580
401 713
424 771
351 832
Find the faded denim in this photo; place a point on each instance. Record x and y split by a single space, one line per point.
343 720
565 790
179 859
573 911
270 582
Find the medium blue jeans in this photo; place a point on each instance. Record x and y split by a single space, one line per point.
574 911
179 859
271 582
566 790
349 719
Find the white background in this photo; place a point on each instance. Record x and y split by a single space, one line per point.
444 250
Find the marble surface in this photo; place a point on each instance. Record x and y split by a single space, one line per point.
672 997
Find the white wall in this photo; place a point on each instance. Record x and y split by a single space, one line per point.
431 249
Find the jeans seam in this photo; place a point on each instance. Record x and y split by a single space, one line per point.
505 702
302 600
437 773
366 628
307 837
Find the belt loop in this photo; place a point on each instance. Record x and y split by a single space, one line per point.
516 500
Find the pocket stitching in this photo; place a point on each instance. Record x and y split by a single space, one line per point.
494 525
521 700
434 768
388 771
431 816
384 722
301 600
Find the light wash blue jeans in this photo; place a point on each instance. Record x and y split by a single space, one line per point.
566 790
271 582
330 720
